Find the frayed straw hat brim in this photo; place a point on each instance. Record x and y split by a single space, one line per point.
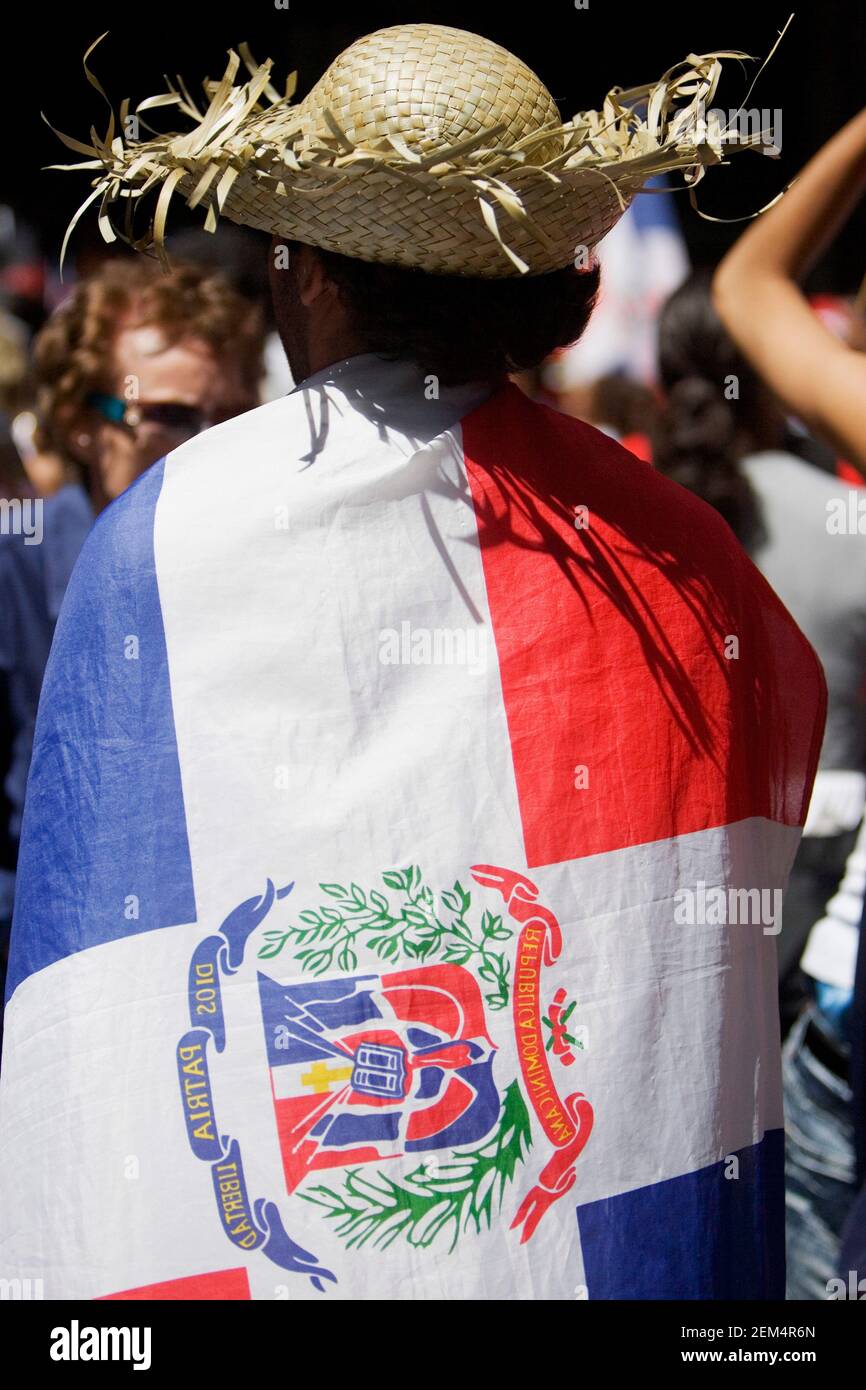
420 146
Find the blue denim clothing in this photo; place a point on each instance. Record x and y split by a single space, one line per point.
820 1182
853 1253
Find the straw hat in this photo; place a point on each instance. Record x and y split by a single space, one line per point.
420 146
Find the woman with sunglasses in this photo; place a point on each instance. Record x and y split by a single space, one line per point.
135 362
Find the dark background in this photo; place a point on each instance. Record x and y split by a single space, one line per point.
817 78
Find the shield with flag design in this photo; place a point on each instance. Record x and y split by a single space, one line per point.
370 1067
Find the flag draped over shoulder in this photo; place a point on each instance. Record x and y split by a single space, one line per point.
415 781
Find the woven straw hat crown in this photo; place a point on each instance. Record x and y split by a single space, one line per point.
421 146
433 87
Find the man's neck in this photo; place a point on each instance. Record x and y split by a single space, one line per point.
329 352
398 393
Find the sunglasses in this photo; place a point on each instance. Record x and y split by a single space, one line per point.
168 415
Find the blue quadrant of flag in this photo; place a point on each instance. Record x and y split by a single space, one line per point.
692 1237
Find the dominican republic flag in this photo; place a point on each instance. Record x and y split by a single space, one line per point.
415 782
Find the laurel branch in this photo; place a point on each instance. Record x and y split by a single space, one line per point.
419 926
438 1199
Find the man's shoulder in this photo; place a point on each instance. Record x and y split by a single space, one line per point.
123 532
121 538
239 433
569 463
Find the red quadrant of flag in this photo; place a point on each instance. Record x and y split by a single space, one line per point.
653 683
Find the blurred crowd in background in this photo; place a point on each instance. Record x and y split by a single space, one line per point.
104 374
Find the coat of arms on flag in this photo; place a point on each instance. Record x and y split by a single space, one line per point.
395 1113
369 1067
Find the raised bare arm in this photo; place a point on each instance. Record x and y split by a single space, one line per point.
756 292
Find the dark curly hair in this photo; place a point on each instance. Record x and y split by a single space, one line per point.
462 328
715 409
